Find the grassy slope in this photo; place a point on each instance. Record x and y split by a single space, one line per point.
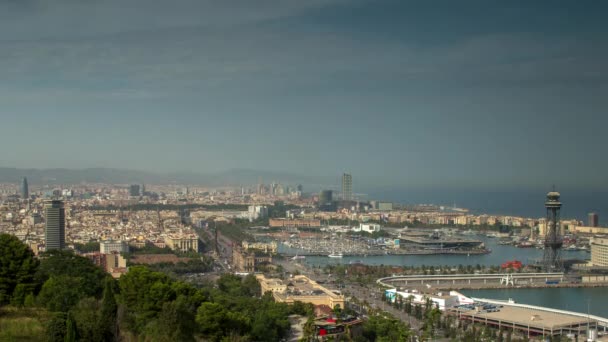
22 324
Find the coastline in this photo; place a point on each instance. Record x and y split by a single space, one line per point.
396 252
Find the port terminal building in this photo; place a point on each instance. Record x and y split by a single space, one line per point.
529 319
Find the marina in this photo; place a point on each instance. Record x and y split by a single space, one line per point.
499 254
400 242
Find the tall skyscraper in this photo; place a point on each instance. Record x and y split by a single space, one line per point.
134 190
25 190
55 224
347 187
593 220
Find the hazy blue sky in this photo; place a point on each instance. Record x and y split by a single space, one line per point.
466 93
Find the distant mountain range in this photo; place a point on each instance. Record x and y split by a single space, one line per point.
232 177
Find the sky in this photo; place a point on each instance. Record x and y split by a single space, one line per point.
414 93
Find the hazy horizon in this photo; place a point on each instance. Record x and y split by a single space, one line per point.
469 94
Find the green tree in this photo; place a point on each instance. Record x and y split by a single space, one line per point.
142 296
70 327
210 318
302 309
17 268
30 301
66 263
108 310
177 319
56 328
87 318
252 286
385 329
61 292
21 291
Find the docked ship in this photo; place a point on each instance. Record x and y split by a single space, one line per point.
335 255
525 244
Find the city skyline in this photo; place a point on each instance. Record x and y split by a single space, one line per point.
273 170
467 94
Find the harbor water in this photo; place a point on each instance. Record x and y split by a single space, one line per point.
572 299
563 298
499 254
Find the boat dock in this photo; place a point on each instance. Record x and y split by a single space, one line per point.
461 281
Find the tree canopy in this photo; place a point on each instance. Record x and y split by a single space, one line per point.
17 269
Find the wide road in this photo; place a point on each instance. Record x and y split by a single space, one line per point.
374 297
372 294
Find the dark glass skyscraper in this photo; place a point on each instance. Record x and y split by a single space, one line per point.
325 197
25 190
326 201
55 224
134 190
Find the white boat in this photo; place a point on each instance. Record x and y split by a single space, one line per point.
335 255
298 257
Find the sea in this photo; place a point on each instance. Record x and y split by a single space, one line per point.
576 204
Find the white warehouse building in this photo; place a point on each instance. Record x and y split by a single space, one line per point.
441 300
369 227
257 212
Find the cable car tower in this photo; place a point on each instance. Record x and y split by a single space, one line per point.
552 260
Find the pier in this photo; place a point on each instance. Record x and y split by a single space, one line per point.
462 281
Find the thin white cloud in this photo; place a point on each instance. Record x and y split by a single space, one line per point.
37 19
